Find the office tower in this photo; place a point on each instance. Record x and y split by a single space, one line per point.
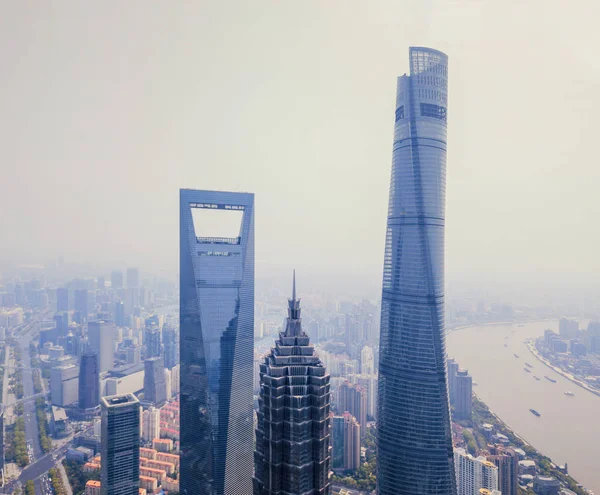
133 278
171 347
64 384
81 304
473 474
507 462
293 429
155 388
452 372
413 421
116 279
367 361
464 395
89 381
101 338
134 354
62 299
150 424
120 445
120 314
131 302
353 398
101 284
152 342
216 344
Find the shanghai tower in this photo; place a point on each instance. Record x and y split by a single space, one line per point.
414 439
216 342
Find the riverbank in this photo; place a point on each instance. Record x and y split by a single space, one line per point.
566 430
482 414
568 376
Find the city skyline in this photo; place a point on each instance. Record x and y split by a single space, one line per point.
145 349
515 194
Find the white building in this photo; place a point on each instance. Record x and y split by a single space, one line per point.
369 383
64 385
367 361
473 474
175 380
150 424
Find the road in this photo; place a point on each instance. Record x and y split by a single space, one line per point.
32 434
39 463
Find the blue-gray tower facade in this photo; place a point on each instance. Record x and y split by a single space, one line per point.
413 423
216 348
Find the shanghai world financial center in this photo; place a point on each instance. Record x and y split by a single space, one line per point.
217 338
414 442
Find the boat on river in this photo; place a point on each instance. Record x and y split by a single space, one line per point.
516 355
536 378
528 365
535 412
569 393
528 370
550 379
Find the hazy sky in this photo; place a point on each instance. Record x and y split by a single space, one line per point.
108 108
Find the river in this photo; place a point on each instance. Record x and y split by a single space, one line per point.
569 427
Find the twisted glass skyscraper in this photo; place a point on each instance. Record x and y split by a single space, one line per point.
413 423
216 347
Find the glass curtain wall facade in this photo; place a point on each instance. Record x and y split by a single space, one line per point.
120 445
293 433
216 348
89 381
414 437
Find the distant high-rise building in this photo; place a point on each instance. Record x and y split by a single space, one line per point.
216 345
64 384
120 314
452 372
134 354
170 341
367 361
337 442
155 388
89 381
463 403
353 398
474 473
568 328
351 442
152 342
507 462
62 299
413 421
116 279
369 385
133 278
150 424
81 304
101 283
294 391
120 445
101 338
